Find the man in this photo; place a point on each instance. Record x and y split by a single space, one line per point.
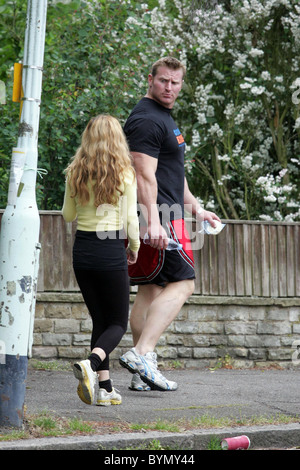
165 278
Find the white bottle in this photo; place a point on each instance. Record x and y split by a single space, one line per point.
207 228
172 244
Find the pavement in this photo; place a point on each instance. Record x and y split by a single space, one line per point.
243 394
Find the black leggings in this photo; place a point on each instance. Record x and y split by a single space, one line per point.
106 294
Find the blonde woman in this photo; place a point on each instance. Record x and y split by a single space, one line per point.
101 193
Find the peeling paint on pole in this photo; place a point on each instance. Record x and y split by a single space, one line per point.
24 129
20 226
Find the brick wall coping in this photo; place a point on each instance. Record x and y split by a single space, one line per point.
193 300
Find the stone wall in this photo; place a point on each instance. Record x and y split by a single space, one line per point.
208 332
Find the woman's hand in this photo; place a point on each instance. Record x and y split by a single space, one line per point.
131 256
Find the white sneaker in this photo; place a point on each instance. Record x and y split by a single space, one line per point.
131 361
106 398
138 384
146 367
87 381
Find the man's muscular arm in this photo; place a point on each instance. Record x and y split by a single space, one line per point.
145 167
197 210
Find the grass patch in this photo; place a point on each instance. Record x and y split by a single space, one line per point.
159 425
214 443
152 445
49 365
44 425
207 421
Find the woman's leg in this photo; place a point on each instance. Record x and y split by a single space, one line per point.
106 294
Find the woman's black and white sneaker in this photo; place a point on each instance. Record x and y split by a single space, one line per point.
106 398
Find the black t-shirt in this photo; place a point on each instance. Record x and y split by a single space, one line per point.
150 129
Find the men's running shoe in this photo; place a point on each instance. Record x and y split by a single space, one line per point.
137 384
87 381
146 367
106 398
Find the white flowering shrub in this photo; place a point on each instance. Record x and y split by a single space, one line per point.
239 117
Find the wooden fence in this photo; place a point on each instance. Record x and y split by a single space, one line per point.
248 258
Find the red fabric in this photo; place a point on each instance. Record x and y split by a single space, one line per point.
180 233
150 260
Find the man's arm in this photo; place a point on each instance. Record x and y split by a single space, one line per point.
145 167
197 210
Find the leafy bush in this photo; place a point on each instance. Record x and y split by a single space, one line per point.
238 111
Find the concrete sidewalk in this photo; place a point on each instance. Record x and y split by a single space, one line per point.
223 393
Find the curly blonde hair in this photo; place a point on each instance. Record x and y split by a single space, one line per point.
102 160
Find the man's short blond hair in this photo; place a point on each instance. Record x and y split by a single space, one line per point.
169 62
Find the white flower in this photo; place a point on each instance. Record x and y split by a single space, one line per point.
270 198
229 110
201 118
255 168
241 203
210 205
281 199
239 64
266 75
247 162
196 138
262 180
210 111
258 90
265 217
297 123
216 130
224 158
277 215
245 85
279 79
282 172
218 75
287 188
256 52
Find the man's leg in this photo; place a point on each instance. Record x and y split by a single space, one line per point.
163 306
145 295
144 298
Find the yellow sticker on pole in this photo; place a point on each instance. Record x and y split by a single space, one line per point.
17 88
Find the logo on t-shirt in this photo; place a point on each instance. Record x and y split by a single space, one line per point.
179 137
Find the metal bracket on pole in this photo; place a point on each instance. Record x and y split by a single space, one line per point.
33 67
30 99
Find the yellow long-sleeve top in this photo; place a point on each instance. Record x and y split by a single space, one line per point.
106 217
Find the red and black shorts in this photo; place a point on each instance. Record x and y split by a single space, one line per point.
160 267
